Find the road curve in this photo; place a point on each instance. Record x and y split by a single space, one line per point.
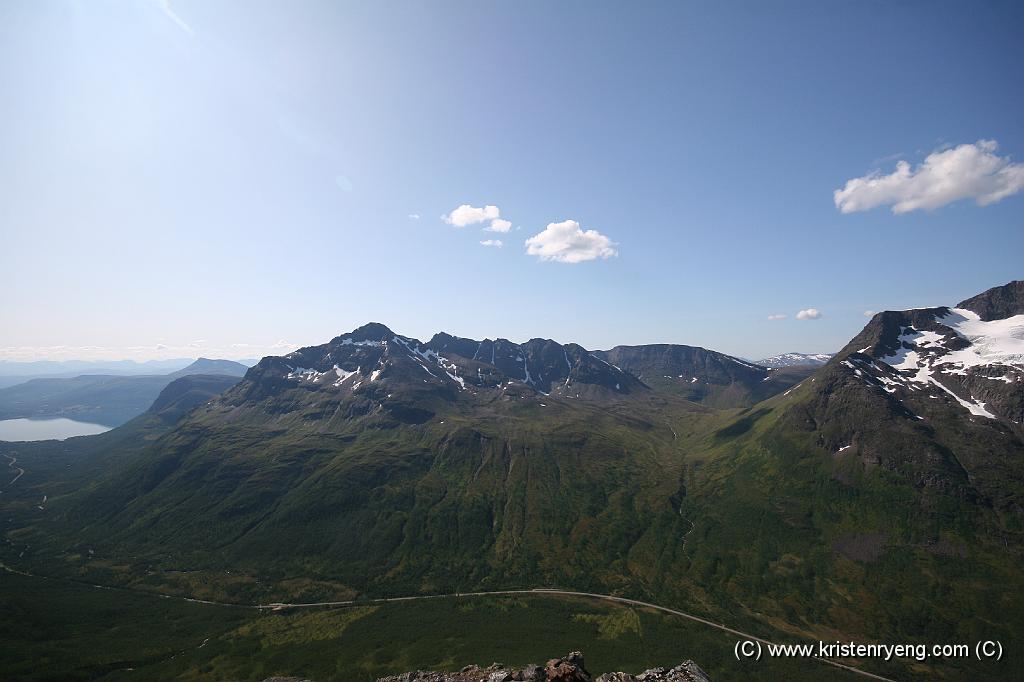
21 472
281 606
568 593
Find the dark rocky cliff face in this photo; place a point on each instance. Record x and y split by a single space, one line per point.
997 303
571 668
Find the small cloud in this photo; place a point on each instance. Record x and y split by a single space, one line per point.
414 216
499 225
968 171
566 242
869 313
808 314
471 215
492 242
343 183
777 317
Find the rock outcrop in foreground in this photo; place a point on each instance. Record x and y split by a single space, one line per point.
568 669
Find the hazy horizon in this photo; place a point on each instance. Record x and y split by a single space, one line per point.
198 349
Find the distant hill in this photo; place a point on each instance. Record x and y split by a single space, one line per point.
207 366
698 374
13 373
101 398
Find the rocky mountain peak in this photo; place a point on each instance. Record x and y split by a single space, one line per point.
914 377
971 355
997 303
375 362
373 331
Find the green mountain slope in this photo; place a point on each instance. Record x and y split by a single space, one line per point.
877 500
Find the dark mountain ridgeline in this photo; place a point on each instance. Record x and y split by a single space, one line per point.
701 375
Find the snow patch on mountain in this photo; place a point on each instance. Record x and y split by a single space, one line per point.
304 374
371 344
962 342
343 375
996 342
792 359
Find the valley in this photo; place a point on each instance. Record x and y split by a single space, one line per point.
378 467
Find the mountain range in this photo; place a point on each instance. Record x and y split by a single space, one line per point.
877 497
15 372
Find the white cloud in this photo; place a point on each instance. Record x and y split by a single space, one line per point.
969 171
414 216
776 317
566 242
869 313
471 215
492 242
808 314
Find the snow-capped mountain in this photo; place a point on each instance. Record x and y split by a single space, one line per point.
971 355
933 395
792 359
377 364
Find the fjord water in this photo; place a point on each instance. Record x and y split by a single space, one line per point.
47 429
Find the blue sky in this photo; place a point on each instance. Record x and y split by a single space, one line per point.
228 178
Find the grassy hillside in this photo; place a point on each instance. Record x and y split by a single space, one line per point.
57 630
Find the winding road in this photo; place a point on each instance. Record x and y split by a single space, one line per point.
21 472
280 606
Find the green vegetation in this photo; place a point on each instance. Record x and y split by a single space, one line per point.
730 515
55 630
